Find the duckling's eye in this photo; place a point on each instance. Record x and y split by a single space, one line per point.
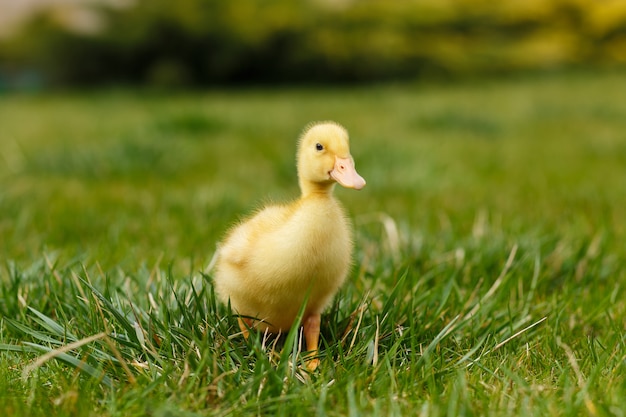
319 146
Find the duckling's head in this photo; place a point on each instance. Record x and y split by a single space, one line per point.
324 158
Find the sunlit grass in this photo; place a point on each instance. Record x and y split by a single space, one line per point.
489 269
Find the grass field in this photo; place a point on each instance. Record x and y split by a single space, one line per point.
490 262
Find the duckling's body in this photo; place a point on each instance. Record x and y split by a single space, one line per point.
268 265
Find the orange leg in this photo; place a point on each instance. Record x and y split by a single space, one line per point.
311 329
245 324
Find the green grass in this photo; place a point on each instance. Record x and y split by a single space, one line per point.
489 268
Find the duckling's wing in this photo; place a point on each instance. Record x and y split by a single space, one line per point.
240 244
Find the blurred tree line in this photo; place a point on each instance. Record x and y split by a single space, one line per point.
209 42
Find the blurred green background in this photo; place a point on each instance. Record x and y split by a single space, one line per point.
126 176
215 42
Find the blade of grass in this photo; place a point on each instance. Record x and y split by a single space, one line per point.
291 348
51 325
23 329
61 354
119 316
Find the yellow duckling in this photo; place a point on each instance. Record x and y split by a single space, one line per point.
268 264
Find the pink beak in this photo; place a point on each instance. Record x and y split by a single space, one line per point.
345 174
